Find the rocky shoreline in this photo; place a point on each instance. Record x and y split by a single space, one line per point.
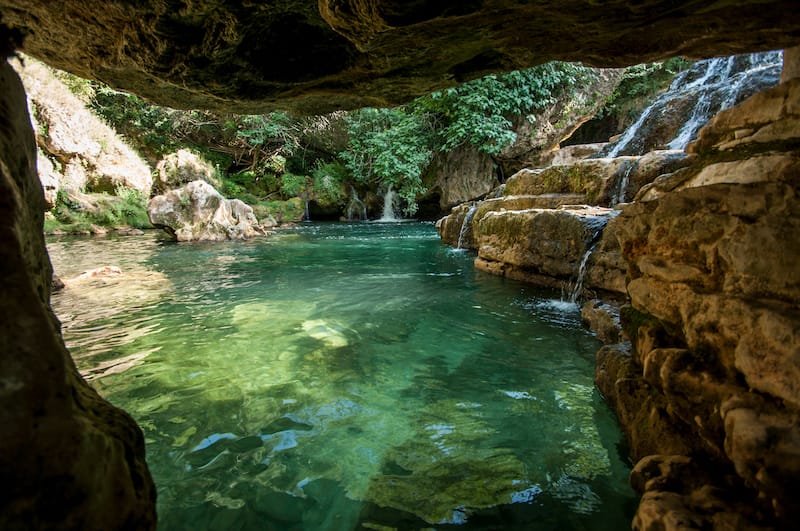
702 371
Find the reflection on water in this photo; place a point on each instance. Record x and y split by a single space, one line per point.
346 376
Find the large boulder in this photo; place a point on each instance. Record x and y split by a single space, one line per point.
542 246
182 167
335 54
198 212
68 458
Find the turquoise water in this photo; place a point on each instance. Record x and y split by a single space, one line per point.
345 376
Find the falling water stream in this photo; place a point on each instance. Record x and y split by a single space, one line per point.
711 85
345 376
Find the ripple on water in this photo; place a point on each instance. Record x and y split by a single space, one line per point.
347 375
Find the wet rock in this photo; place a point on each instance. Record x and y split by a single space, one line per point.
571 154
714 318
594 178
603 319
606 270
538 245
198 212
695 96
452 228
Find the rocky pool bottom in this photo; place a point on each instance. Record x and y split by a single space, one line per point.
345 376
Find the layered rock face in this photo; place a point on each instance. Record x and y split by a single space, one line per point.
334 54
540 229
711 389
197 212
465 173
68 459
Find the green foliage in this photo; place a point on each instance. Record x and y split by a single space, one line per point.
293 185
151 126
392 147
389 147
271 134
479 112
128 208
639 85
281 211
328 183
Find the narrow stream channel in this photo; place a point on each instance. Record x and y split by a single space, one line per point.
345 376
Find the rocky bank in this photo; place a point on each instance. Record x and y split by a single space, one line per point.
706 257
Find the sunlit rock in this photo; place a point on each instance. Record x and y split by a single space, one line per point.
714 287
183 167
539 245
83 153
198 212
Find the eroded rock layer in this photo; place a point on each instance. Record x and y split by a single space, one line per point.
326 55
711 388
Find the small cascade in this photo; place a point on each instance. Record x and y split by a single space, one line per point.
389 207
465 225
622 188
306 213
578 287
699 93
356 209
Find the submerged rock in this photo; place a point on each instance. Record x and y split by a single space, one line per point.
198 212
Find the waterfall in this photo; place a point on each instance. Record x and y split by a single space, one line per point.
700 92
465 225
578 287
622 188
306 213
389 212
356 209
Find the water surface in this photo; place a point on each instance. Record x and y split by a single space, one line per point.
345 376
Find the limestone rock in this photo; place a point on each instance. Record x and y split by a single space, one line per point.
460 175
198 212
68 458
603 319
606 270
567 155
678 494
452 228
595 178
182 167
695 96
328 55
714 321
90 154
538 245
538 136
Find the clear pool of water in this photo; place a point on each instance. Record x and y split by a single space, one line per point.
345 376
